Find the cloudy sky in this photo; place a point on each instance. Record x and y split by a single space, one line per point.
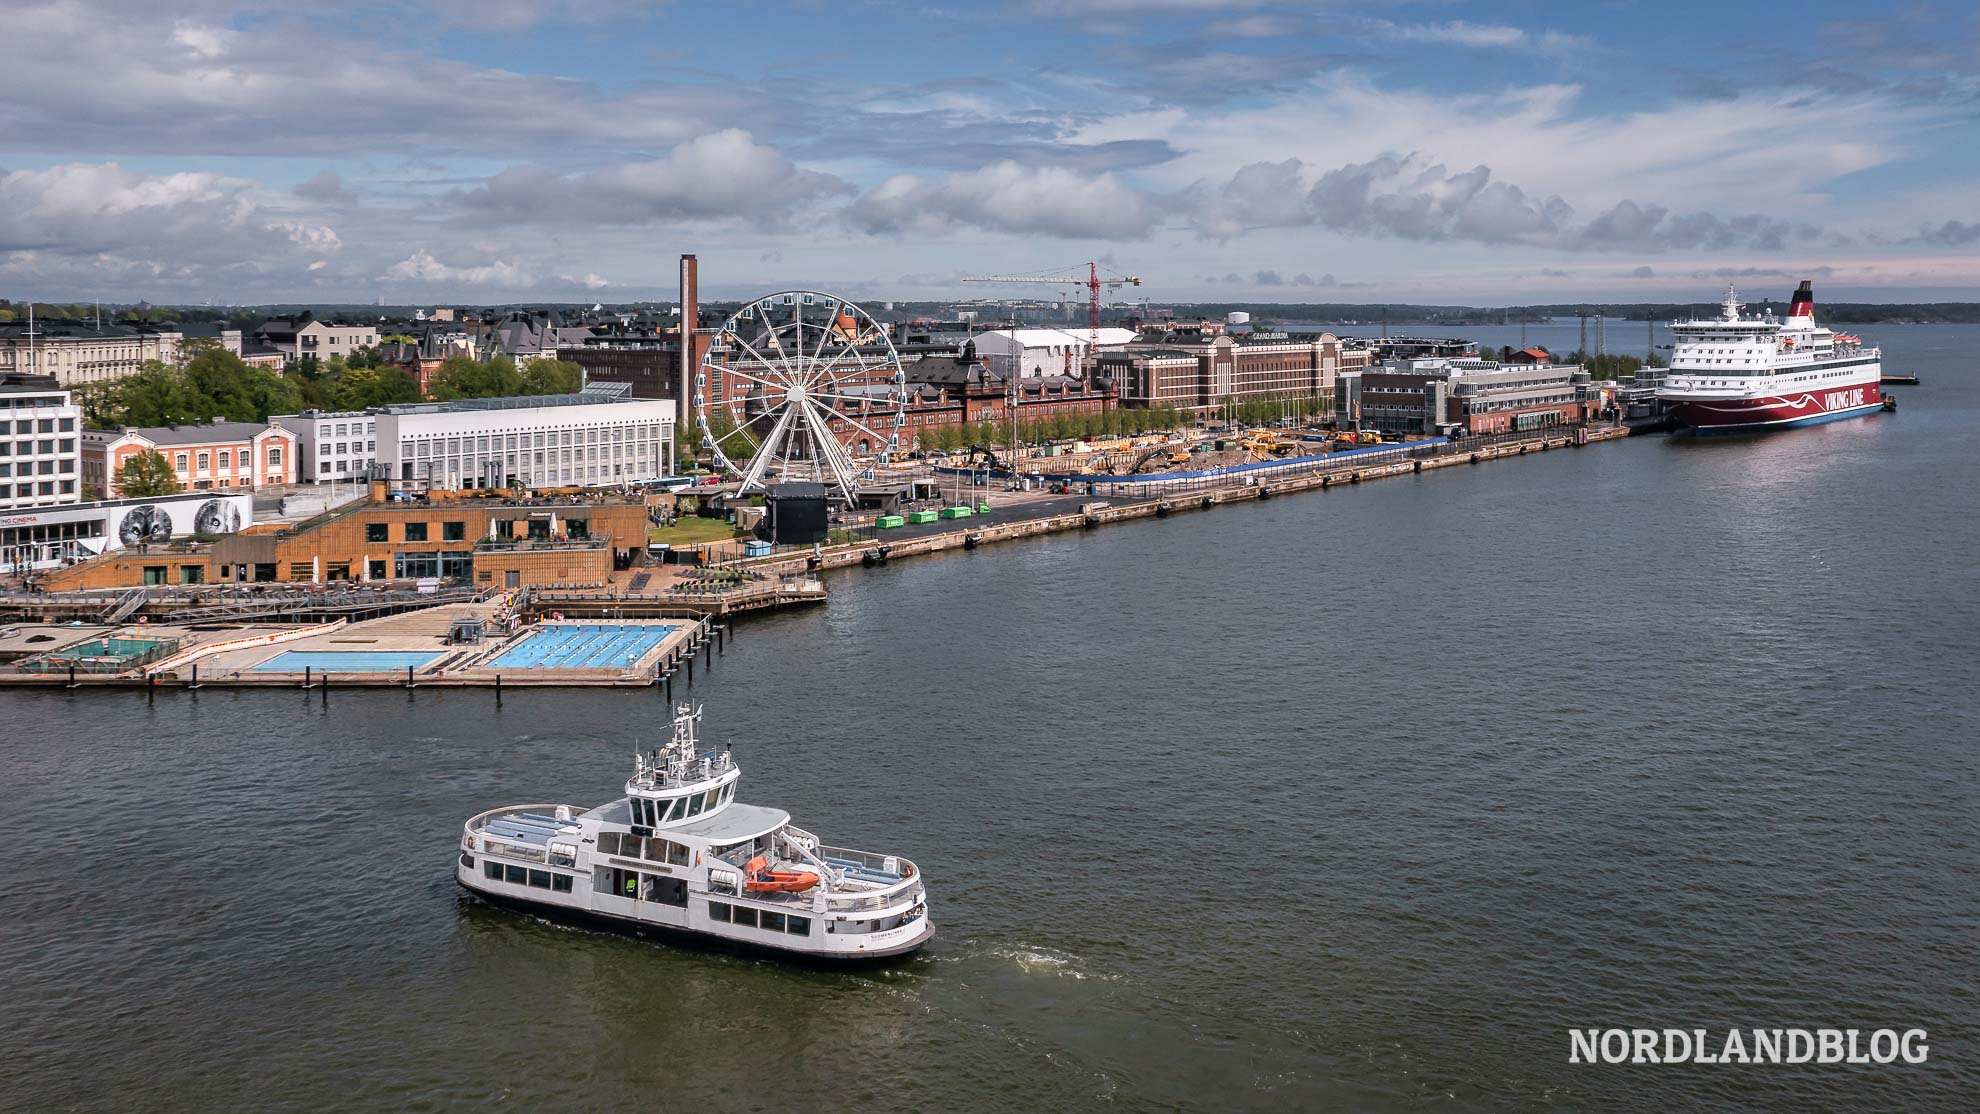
497 150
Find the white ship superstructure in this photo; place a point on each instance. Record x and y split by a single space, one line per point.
1735 373
679 855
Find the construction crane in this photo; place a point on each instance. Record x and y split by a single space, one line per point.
1093 282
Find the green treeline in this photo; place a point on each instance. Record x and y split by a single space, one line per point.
211 383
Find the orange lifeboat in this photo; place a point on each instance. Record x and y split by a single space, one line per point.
759 878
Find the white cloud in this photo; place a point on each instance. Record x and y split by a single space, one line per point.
422 267
724 174
1007 197
139 80
85 209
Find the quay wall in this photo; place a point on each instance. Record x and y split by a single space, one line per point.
1287 477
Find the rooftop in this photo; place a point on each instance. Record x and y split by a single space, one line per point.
202 434
736 822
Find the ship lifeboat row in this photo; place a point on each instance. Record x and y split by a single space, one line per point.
759 878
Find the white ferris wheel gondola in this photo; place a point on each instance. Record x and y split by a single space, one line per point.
800 385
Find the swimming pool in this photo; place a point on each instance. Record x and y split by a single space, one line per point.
346 661
583 646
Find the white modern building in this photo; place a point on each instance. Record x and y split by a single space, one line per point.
40 539
40 459
1037 353
332 445
588 439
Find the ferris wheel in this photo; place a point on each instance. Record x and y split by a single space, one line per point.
801 385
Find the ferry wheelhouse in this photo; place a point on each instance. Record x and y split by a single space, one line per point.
1733 373
679 856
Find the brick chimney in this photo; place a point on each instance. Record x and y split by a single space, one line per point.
690 321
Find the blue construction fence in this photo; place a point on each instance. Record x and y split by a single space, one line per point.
1367 457
1370 455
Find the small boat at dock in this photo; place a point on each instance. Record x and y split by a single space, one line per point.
678 856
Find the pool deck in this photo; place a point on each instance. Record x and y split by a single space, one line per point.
451 663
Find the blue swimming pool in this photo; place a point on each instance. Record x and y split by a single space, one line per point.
583 646
346 661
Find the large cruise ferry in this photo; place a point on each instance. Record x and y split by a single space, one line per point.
679 856
1735 374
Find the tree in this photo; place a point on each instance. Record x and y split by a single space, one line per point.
721 424
467 377
147 475
358 388
551 377
159 395
396 384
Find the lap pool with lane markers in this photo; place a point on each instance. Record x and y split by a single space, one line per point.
346 661
583 646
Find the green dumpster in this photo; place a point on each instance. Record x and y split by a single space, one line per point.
919 517
889 522
955 512
983 508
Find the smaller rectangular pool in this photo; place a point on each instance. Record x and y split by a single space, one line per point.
346 661
584 646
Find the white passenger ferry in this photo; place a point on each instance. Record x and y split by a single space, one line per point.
1733 374
679 856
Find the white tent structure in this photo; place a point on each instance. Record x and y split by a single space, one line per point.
1042 352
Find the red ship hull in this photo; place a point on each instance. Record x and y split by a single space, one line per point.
1782 411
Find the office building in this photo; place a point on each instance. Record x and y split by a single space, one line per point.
40 462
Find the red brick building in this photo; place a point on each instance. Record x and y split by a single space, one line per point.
1202 372
945 391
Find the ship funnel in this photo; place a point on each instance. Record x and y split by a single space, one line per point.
1804 301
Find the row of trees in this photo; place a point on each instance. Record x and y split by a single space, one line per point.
466 377
209 382
1059 427
352 383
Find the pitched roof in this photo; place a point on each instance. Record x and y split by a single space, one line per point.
204 434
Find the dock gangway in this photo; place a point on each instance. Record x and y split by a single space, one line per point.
127 605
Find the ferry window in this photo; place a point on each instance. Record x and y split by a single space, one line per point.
714 795
694 805
493 870
540 879
467 860
608 843
561 883
744 915
773 922
718 911
677 854
678 809
517 875
800 926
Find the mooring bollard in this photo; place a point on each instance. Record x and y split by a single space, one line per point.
195 677
409 682
72 674
306 672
